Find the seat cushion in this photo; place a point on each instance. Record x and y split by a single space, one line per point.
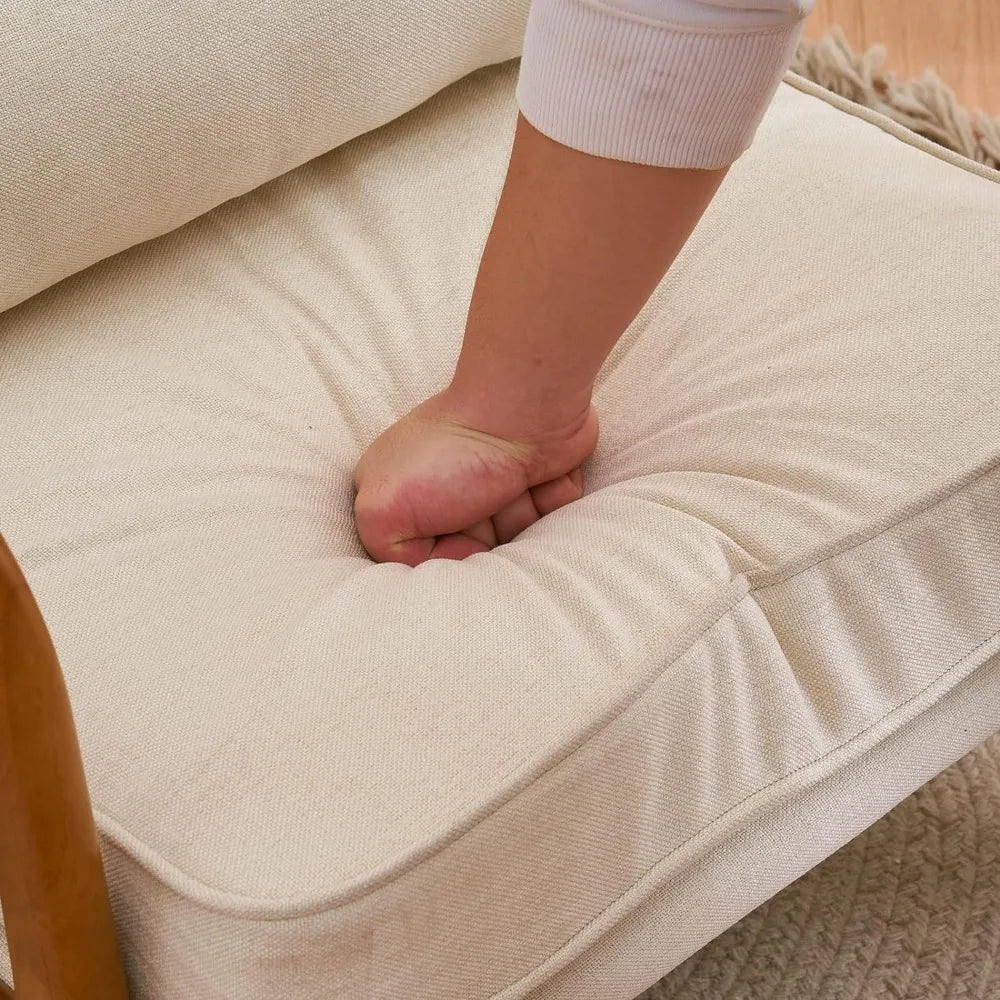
772 616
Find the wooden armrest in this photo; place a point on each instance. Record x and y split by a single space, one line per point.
57 914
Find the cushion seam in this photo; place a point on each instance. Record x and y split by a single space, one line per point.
891 127
764 788
909 512
628 700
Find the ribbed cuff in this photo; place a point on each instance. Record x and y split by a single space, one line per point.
633 88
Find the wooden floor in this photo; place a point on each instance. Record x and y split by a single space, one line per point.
958 39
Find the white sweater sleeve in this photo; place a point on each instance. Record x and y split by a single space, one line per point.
679 83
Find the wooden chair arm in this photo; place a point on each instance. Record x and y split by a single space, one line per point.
57 914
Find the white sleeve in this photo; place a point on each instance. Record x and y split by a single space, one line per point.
679 83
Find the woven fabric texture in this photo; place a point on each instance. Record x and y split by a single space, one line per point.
120 122
770 619
907 910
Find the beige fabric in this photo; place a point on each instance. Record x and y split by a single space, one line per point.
749 867
119 122
907 910
322 777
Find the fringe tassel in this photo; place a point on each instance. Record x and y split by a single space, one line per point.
927 105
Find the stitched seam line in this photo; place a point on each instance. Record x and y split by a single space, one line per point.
909 513
137 849
784 779
687 29
891 127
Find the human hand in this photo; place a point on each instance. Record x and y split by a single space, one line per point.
449 480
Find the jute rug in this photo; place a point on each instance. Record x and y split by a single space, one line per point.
910 909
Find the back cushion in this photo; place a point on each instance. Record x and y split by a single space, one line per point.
121 121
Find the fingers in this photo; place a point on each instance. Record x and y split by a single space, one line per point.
410 551
483 532
536 502
504 526
457 546
511 520
557 493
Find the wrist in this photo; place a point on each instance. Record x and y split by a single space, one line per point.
517 408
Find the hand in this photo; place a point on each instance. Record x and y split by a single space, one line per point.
445 481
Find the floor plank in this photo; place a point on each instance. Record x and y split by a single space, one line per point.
959 39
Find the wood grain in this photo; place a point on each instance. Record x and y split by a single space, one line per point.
958 39
57 915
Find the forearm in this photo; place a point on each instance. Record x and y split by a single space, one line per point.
577 246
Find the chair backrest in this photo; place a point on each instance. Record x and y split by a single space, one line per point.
57 914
